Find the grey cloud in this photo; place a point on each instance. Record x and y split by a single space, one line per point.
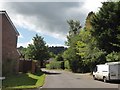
52 15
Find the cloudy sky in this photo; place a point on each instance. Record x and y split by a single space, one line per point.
47 19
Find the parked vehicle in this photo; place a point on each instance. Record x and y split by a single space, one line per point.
107 72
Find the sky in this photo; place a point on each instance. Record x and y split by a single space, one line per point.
47 19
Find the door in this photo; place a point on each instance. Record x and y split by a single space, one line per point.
114 71
97 72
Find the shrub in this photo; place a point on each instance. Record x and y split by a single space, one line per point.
67 65
55 65
48 66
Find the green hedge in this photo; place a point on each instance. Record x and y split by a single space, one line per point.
55 65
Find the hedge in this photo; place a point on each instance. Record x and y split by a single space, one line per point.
55 65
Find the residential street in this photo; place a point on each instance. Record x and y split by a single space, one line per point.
65 79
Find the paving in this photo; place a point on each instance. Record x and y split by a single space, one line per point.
64 79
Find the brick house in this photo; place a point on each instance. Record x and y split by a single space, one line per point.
10 55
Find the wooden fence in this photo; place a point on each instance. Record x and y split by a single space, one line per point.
27 66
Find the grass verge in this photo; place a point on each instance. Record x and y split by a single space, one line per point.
24 81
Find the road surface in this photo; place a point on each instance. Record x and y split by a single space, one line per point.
65 79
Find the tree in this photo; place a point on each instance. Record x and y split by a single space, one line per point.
22 51
57 49
87 47
74 28
89 53
71 53
113 56
106 27
38 50
73 59
88 25
59 57
30 52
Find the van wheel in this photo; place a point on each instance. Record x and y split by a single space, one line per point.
105 79
94 77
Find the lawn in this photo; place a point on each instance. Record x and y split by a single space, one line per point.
24 81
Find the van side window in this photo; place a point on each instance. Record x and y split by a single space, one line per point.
95 69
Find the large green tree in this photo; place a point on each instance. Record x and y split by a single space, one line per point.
87 50
71 53
38 50
106 27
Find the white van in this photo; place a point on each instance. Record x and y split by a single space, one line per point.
107 71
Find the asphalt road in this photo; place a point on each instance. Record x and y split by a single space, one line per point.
65 79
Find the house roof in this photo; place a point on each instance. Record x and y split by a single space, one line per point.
5 13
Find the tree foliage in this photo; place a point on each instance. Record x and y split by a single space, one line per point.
98 42
59 57
56 49
113 57
88 25
106 27
38 50
70 54
74 28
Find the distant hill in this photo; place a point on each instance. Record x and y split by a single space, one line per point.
57 49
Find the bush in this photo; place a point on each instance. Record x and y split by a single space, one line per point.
67 65
55 65
48 66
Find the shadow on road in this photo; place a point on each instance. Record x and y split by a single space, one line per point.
51 73
114 82
111 82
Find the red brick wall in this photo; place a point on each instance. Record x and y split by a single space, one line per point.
10 55
0 46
